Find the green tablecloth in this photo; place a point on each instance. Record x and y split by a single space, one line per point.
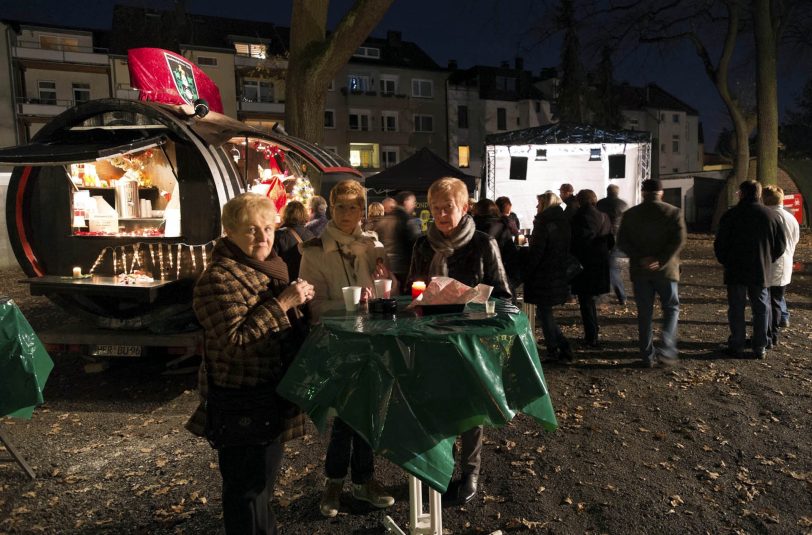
24 363
410 385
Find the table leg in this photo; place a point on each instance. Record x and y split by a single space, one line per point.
15 457
420 522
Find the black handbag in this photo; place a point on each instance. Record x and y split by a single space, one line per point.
572 267
242 416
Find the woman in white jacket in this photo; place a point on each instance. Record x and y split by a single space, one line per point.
345 256
781 269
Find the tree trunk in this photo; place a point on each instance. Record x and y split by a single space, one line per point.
315 58
767 91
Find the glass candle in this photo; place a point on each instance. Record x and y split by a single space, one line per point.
77 272
418 287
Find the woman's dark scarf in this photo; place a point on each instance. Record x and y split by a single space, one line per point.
444 246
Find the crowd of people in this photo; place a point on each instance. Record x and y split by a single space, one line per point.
268 282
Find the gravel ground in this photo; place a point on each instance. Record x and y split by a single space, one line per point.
712 445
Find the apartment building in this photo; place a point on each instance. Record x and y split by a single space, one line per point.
485 100
387 103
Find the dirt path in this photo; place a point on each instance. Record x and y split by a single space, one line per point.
713 445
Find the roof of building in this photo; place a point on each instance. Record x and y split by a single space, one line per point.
650 96
566 133
485 78
395 52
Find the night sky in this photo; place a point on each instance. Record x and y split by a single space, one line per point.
473 32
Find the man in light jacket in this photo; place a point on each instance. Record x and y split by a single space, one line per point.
781 269
652 234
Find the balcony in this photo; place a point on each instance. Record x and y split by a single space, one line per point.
42 108
261 107
31 50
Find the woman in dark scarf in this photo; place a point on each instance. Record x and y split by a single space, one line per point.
253 326
454 248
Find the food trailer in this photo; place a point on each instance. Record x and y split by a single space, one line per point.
113 208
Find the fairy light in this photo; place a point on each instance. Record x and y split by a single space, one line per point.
161 258
203 255
115 262
194 260
177 273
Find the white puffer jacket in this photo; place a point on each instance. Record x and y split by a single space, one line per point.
781 269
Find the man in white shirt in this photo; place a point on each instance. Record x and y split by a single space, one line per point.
781 269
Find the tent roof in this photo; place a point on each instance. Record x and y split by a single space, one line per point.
566 133
416 173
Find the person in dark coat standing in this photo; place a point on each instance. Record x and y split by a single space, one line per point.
591 242
613 206
512 220
288 238
567 194
652 234
488 219
543 271
318 215
750 238
453 247
398 231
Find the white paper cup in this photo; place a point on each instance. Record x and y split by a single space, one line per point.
383 287
352 296
490 306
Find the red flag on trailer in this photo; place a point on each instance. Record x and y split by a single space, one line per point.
163 76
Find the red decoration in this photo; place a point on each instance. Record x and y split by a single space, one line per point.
276 192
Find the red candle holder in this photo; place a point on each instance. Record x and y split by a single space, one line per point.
418 287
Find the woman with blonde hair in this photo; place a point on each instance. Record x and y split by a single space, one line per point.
343 256
544 273
453 247
375 213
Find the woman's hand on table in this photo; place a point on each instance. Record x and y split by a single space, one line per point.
298 293
367 294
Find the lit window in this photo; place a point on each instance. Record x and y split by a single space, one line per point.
594 155
541 154
422 88
424 123
364 155
81 93
59 42
464 155
258 51
358 83
329 119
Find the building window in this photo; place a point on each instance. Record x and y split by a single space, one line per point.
81 93
675 143
662 148
633 123
506 83
424 123
541 154
206 61
47 91
329 119
358 83
538 106
368 52
462 116
257 91
334 150
501 119
422 88
594 155
389 84
331 86
359 120
59 42
389 121
258 51
389 156
464 155
675 118
364 155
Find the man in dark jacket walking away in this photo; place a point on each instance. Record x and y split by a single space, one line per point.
613 206
399 230
652 234
750 238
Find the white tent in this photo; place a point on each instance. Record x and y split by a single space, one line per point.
524 163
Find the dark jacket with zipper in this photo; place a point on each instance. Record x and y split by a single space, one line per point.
545 282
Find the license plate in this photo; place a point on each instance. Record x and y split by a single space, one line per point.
116 351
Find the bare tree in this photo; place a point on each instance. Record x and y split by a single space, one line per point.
315 58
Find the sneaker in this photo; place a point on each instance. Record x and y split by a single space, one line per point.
373 493
331 497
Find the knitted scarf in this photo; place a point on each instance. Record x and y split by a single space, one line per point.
444 246
354 251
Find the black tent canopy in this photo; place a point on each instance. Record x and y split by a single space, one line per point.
416 173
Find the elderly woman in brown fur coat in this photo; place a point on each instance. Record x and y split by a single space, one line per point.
253 327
